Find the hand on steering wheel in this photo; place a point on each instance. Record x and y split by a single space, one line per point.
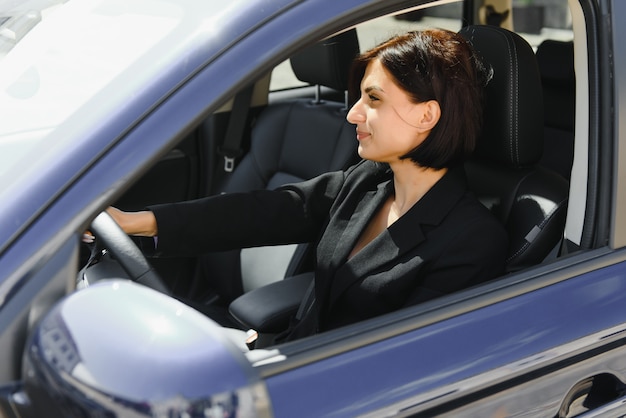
126 252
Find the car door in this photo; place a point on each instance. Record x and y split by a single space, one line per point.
523 354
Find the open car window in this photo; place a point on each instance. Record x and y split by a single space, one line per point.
557 27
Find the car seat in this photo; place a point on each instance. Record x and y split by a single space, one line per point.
504 173
556 67
291 141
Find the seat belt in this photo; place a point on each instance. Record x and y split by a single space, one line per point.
307 301
231 147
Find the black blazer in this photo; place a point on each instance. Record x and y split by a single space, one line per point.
446 242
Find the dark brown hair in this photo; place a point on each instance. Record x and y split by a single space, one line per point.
435 65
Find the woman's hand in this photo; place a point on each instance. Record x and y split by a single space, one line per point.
141 223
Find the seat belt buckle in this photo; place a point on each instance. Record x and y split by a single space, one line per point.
230 156
229 164
252 337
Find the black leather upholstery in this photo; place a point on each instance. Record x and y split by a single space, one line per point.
327 63
269 309
291 141
529 200
556 66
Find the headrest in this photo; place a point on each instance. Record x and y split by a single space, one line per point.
556 60
513 119
327 63
556 66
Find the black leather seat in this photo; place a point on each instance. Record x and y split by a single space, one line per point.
291 141
530 200
556 67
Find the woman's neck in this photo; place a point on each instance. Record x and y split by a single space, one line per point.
411 183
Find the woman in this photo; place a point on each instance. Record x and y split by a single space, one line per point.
396 229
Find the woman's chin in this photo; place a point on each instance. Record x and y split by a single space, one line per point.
364 154
362 151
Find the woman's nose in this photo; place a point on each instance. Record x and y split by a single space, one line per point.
355 114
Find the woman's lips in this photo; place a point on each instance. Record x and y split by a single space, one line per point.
360 135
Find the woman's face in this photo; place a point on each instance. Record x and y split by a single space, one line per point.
388 124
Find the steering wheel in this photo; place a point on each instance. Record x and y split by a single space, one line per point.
126 252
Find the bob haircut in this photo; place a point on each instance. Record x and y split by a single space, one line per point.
434 65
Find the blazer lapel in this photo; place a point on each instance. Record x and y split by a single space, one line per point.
342 233
402 236
366 208
388 245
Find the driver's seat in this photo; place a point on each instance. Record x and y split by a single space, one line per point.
504 173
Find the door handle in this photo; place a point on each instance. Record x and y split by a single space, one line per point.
593 397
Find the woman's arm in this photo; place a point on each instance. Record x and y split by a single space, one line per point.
141 223
290 214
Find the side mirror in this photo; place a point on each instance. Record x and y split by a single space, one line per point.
121 349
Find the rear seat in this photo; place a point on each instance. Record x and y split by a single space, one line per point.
556 66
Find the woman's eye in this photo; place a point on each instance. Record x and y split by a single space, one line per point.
372 98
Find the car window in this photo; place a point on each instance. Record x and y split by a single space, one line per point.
18 18
535 22
553 22
448 16
370 33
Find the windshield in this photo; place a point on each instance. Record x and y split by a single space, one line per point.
18 17
62 60
74 63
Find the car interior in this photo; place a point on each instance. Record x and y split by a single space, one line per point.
291 140
290 126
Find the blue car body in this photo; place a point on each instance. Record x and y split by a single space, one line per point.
530 344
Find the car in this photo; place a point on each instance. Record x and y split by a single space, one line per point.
132 103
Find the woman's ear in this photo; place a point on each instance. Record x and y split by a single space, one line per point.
431 112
